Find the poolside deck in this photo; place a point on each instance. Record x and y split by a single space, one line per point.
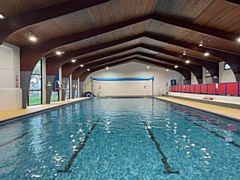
219 110
6 115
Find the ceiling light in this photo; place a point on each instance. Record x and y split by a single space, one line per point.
238 39
200 44
184 53
187 61
2 16
88 69
167 70
206 54
176 66
32 38
73 60
107 67
81 65
148 67
58 53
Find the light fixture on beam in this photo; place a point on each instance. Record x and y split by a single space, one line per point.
206 54
167 70
107 68
148 67
60 52
2 16
81 65
184 53
88 69
238 39
201 44
187 61
32 38
176 66
73 60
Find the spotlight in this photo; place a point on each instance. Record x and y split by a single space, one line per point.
2 16
32 38
88 69
73 60
184 53
148 67
187 61
238 39
200 44
107 67
206 54
176 66
81 65
167 70
58 53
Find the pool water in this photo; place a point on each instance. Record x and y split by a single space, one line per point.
120 138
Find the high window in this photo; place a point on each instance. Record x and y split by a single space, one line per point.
226 66
35 86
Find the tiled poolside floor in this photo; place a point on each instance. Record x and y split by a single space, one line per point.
5 115
219 110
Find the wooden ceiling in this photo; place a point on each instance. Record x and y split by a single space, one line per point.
109 32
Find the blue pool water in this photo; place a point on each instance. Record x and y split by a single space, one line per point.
125 138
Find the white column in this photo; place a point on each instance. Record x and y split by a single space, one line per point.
78 86
44 83
70 86
60 80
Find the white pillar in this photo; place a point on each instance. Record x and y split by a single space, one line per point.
44 83
70 86
60 80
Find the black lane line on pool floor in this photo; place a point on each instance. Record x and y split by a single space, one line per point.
213 132
81 146
157 144
24 134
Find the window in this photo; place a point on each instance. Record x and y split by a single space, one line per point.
226 66
35 86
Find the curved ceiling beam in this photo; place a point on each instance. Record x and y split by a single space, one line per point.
231 59
12 24
31 54
184 72
55 62
82 76
212 67
195 69
234 1
206 30
68 68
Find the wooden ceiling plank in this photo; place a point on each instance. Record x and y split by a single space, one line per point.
15 23
231 59
31 54
195 27
212 67
54 63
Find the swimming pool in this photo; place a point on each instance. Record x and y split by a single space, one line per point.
120 138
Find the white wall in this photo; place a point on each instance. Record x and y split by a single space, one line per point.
127 88
193 79
10 92
225 75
